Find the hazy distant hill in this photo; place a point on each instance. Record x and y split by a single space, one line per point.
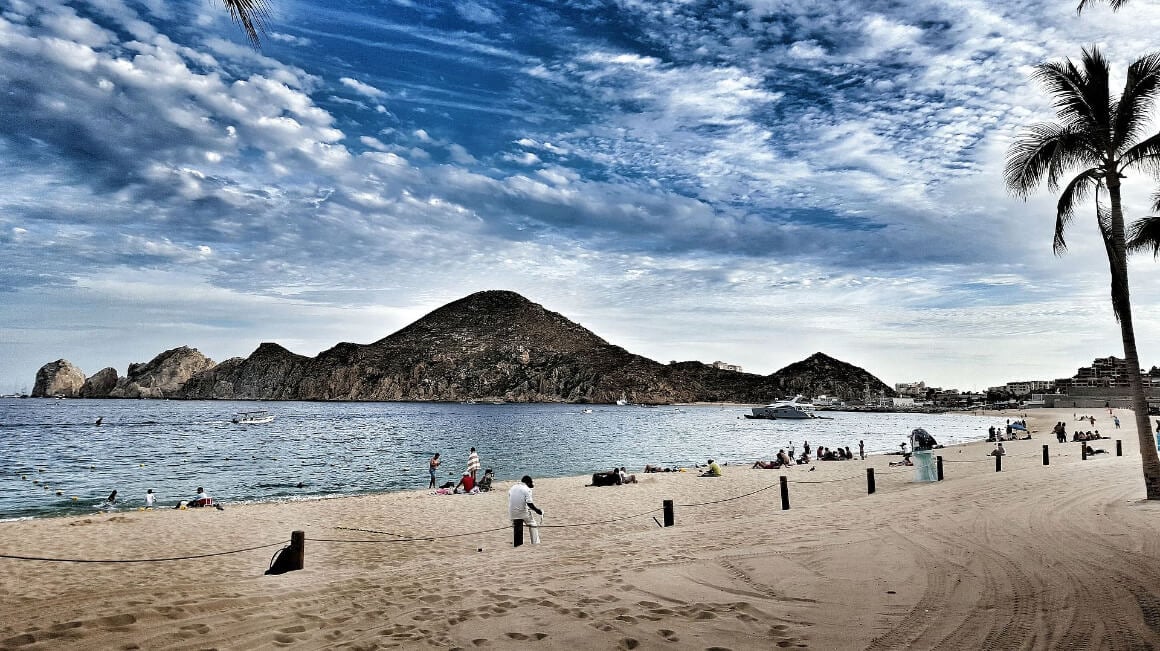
498 345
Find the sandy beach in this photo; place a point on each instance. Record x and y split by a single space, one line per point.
1033 557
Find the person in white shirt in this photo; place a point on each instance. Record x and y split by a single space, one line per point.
520 508
149 498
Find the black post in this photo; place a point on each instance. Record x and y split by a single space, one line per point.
297 550
1046 458
517 533
938 460
869 481
998 463
784 493
1082 451
668 506
1119 448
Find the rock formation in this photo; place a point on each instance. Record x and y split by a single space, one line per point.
162 376
101 384
493 345
59 378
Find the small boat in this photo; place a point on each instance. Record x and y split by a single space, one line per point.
622 400
792 409
256 417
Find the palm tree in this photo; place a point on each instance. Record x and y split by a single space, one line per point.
251 15
1100 136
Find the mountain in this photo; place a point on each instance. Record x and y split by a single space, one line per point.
498 345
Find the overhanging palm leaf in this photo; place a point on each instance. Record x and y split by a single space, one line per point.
1045 152
1075 192
1144 235
1114 4
251 15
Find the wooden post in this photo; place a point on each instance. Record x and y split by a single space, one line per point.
938 461
297 550
784 493
998 463
1046 458
869 481
1119 448
517 533
668 506
1082 451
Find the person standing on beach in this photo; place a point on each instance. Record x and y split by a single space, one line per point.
472 463
433 465
149 498
520 509
862 449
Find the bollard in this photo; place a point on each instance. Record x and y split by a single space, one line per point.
297 550
1082 451
998 463
1119 448
869 481
784 493
938 461
668 507
1046 459
517 533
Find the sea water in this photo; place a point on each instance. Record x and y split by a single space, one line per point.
319 449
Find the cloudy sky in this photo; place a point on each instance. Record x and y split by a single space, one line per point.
748 181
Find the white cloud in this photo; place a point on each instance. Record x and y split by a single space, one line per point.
362 89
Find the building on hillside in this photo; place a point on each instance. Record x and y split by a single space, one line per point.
725 366
912 389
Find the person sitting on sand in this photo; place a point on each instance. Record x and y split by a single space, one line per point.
804 459
905 461
648 467
998 451
785 458
484 484
466 484
1089 451
626 478
713 471
202 499
766 465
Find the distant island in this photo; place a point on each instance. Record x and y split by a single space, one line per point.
489 346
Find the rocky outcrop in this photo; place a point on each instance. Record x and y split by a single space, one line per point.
162 376
820 374
101 384
493 345
59 378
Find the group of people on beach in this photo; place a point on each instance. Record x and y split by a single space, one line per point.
469 483
784 459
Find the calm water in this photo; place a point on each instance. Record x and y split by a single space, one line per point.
355 448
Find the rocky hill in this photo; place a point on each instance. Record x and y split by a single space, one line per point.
492 345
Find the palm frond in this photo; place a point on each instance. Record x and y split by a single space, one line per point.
1144 234
1075 192
1114 4
1135 105
1143 155
1119 284
1045 152
251 15
1070 93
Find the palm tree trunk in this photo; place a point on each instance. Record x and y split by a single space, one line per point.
1118 261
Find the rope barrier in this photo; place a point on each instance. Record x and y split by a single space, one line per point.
729 499
136 560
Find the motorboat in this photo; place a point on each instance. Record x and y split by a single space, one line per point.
787 409
622 400
256 417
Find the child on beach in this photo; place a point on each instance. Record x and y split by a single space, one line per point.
433 465
472 463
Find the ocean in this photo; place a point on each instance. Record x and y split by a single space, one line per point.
54 459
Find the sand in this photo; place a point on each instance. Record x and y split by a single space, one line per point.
1033 557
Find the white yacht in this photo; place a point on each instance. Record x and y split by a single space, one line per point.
788 409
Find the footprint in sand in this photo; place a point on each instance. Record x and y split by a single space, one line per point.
669 635
516 636
481 641
628 643
123 619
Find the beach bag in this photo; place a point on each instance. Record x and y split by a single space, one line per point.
280 562
603 479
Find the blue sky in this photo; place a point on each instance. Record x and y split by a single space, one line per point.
748 181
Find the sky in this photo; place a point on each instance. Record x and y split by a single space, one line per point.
750 181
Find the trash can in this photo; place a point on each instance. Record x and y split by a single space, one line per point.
924 466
